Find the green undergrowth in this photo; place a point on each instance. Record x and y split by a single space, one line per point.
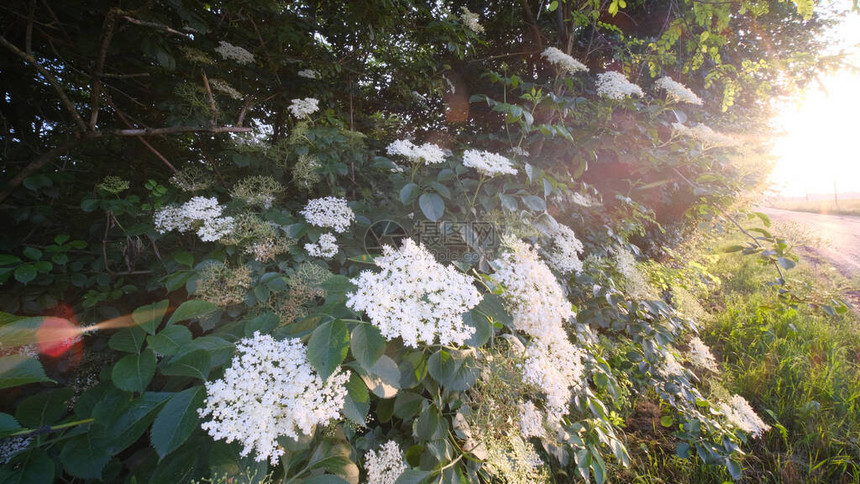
799 368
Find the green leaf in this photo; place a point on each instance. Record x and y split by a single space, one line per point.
786 263
44 408
455 370
8 259
133 373
408 193
534 202
413 476
324 479
764 218
367 344
733 248
184 258
148 317
90 204
431 425
25 273
32 253
432 206
440 189
491 307
31 467
83 457
20 370
128 340
8 425
667 420
328 347
119 423
61 239
177 420
194 308
169 340
407 405
195 364
357 401
483 328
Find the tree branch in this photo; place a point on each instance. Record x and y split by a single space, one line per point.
67 103
176 129
212 106
36 165
107 35
154 25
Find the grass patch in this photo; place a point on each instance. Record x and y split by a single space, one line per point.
844 207
798 368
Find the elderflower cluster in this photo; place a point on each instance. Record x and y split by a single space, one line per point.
385 464
565 256
741 415
531 420
635 283
563 61
415 298
615 85
520 152
705 135
259 190
512 460
231 52
554 365
471 20
114 184
267 249
670 366
302 108
325 247
12 446
428 152
309 74
192 178
201 213
329 212
537 300
270 391
226 88
677 91
489 164
700 355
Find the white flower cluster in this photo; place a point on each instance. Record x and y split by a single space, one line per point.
329 212
677 91
707 136
269 391
635 283
201 213
234 53
225 88
302 108
670 366
540 309
309 74
563 61
12 446
471 20
512 460
537 300
701 355
565 256
531 420
415 298
428 152
555 366
520 152
385 464
583 200
490 164
325 247
741 415
615 85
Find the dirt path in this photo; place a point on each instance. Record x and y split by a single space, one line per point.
843 233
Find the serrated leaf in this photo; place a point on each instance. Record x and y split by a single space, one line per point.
128 340
408 193
357 401
133 373
149 317
195 364
327 347
177 420
169 340
432 206
367 344
455 370
194 308
83 457
20 370
44 408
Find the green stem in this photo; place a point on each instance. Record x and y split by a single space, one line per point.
52 428
475 197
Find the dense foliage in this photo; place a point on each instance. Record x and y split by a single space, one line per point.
370 240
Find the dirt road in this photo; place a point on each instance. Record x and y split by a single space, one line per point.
843 232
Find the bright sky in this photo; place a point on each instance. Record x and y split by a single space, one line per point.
821 141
